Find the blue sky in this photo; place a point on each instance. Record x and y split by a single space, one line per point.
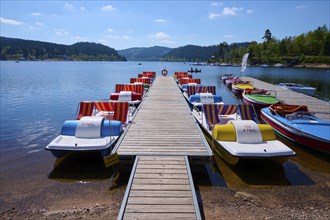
125 24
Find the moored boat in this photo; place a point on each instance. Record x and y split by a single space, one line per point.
91 133
297 124
197 95
230 81
307 90
234 132
259 98
226 76
238 87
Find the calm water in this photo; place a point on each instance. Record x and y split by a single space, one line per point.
37 97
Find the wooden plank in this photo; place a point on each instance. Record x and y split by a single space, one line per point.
163 216
161 187
161 181
160 208
161 193
161 175
159 201
161 170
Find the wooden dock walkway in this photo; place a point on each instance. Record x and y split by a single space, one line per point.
295 98
160 187
162 136
164 125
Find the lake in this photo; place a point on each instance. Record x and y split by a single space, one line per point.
37 97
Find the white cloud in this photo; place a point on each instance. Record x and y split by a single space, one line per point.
82 8
167 41
215 4
226 12
214 15
228 36
39 23
110 29
68 6
160 20
300 7
61 32
36 14
159 35
10 21
249 11
102 41
107 8
126 37
113 36
231 11
78 38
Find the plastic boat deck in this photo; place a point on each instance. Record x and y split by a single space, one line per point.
160 187
295 98
164 125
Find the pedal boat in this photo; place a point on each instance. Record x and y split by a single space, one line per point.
297 124
238 87
259 98
88 134
235 133
197 95
226 76
97 127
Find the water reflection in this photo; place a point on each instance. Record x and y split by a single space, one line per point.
261 173
81 166
308 158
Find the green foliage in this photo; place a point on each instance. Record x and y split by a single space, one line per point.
12 48
144 54
191 53
311 47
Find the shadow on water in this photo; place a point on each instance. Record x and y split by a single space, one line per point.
80 166
261 173
207 175
308 158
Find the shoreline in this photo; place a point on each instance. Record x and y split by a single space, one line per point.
311 65
230 198
306 65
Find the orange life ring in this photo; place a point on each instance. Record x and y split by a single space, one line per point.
164 72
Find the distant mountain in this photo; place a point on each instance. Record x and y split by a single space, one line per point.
191 53
12 48
155 53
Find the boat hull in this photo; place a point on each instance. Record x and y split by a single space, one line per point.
232 153
295 135
307 90
257 104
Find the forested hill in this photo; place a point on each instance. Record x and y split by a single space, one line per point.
144 53
12 48
193 53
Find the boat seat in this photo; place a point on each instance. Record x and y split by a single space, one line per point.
227 132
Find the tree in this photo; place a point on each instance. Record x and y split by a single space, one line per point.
268 35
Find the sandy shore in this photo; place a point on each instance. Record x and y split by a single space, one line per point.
227 199
217 203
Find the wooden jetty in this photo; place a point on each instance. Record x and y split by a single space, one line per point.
161 137
164 125
295 98
160 187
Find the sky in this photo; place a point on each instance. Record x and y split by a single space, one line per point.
126 24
